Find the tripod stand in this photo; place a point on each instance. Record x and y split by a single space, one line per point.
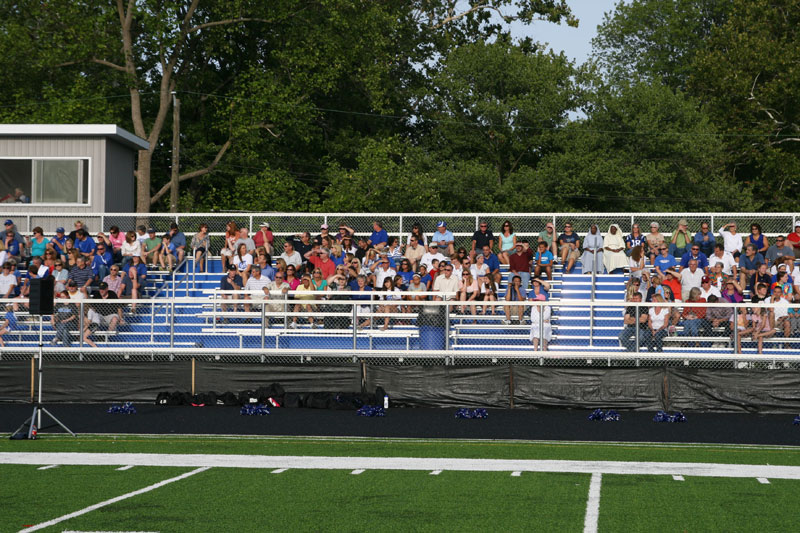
37 407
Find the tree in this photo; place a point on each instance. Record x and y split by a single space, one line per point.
655 40
749 79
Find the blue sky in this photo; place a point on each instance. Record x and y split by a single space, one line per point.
575 42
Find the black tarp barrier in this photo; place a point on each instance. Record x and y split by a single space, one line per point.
15 381
442 386
221 377
618 388
731 390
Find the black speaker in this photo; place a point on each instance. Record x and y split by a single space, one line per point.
41 296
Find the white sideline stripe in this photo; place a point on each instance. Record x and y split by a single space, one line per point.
76 531
763 480
677 478
593 504
279 470
402 463
516 474
47 467
357 471
126 467
112 500
436 472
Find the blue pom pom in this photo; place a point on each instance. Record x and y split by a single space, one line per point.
597 414
251 409
797 420
605 416
663 416
125 409
472 413
371 410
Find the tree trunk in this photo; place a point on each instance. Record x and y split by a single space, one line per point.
143 181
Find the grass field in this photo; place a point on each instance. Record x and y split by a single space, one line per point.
336 498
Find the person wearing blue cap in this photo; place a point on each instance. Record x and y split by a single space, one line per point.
444 238
10 226
58 242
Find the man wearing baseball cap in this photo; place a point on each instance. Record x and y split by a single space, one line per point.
323 232
430 255
264 237
444 238
58 242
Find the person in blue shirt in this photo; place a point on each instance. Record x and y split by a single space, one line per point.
7 325
543 261
664 260
705 239
361 286
636 238
168 252
748 264
13 248
85 244
695 253
379 237
444 238
424 277
102 261
58 242
493 263
178 240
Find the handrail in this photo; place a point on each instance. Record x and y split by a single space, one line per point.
591 309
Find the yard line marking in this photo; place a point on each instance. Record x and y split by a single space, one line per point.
47 467
357 471
763 480
279 470
593 504
403 463
126 467
113 500
436 472
516 474
677 478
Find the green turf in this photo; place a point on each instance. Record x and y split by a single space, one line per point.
648 503
29 496
226 499
789 456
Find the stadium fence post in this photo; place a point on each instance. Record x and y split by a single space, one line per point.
636 336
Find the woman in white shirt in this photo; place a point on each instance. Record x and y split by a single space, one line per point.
479 268
243 262
130 247
468 292
658 321
389 293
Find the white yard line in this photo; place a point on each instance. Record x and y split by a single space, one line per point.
47 467
357 471
763 480
516 474
75 531
403 463
112 500
436 472
279 471
593 504
126 467
677 478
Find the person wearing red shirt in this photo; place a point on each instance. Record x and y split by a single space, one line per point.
263 237
519 263
794 240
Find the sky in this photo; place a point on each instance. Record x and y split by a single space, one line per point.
575 42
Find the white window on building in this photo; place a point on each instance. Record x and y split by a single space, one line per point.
44 181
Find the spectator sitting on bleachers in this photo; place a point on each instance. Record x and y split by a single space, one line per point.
664 261
444 238
344 232
592 258
152 247
379 237
414 252
394 251
101 261
291 256
695 254
390 295
431 254
732 240
231 281
548 236
634 239
540 315
543 261
60 276
757 239
115 239
690 278
761 293
569 244
482 237
106 315
748 264
65 317
445 282
657 325
85 244
243 261
732 292
721 256
681 238
493 263
115 282
81 274
382 270
705 239
631 316
348 247
794 240
264 237
762 276
257 285
130 247
468 291
636 264
337 254
784 282
672 281
614 258
13 248
244 238
719 278
794 315
178 240
201 246
508 239
719 316
693 317
8 323
58 241
778 250
514 293
707 288
137 273
320 258
37 244
655 240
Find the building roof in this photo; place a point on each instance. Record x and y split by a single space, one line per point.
75 130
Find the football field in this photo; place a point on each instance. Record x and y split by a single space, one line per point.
144 483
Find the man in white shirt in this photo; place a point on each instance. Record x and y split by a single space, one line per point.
256 282
291 256
707 289
430 255
445 281
383 270
690 278
7 282
721 256
733 241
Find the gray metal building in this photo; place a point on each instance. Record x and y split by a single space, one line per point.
74 168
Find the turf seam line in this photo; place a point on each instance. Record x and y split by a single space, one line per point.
593 504
105 503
